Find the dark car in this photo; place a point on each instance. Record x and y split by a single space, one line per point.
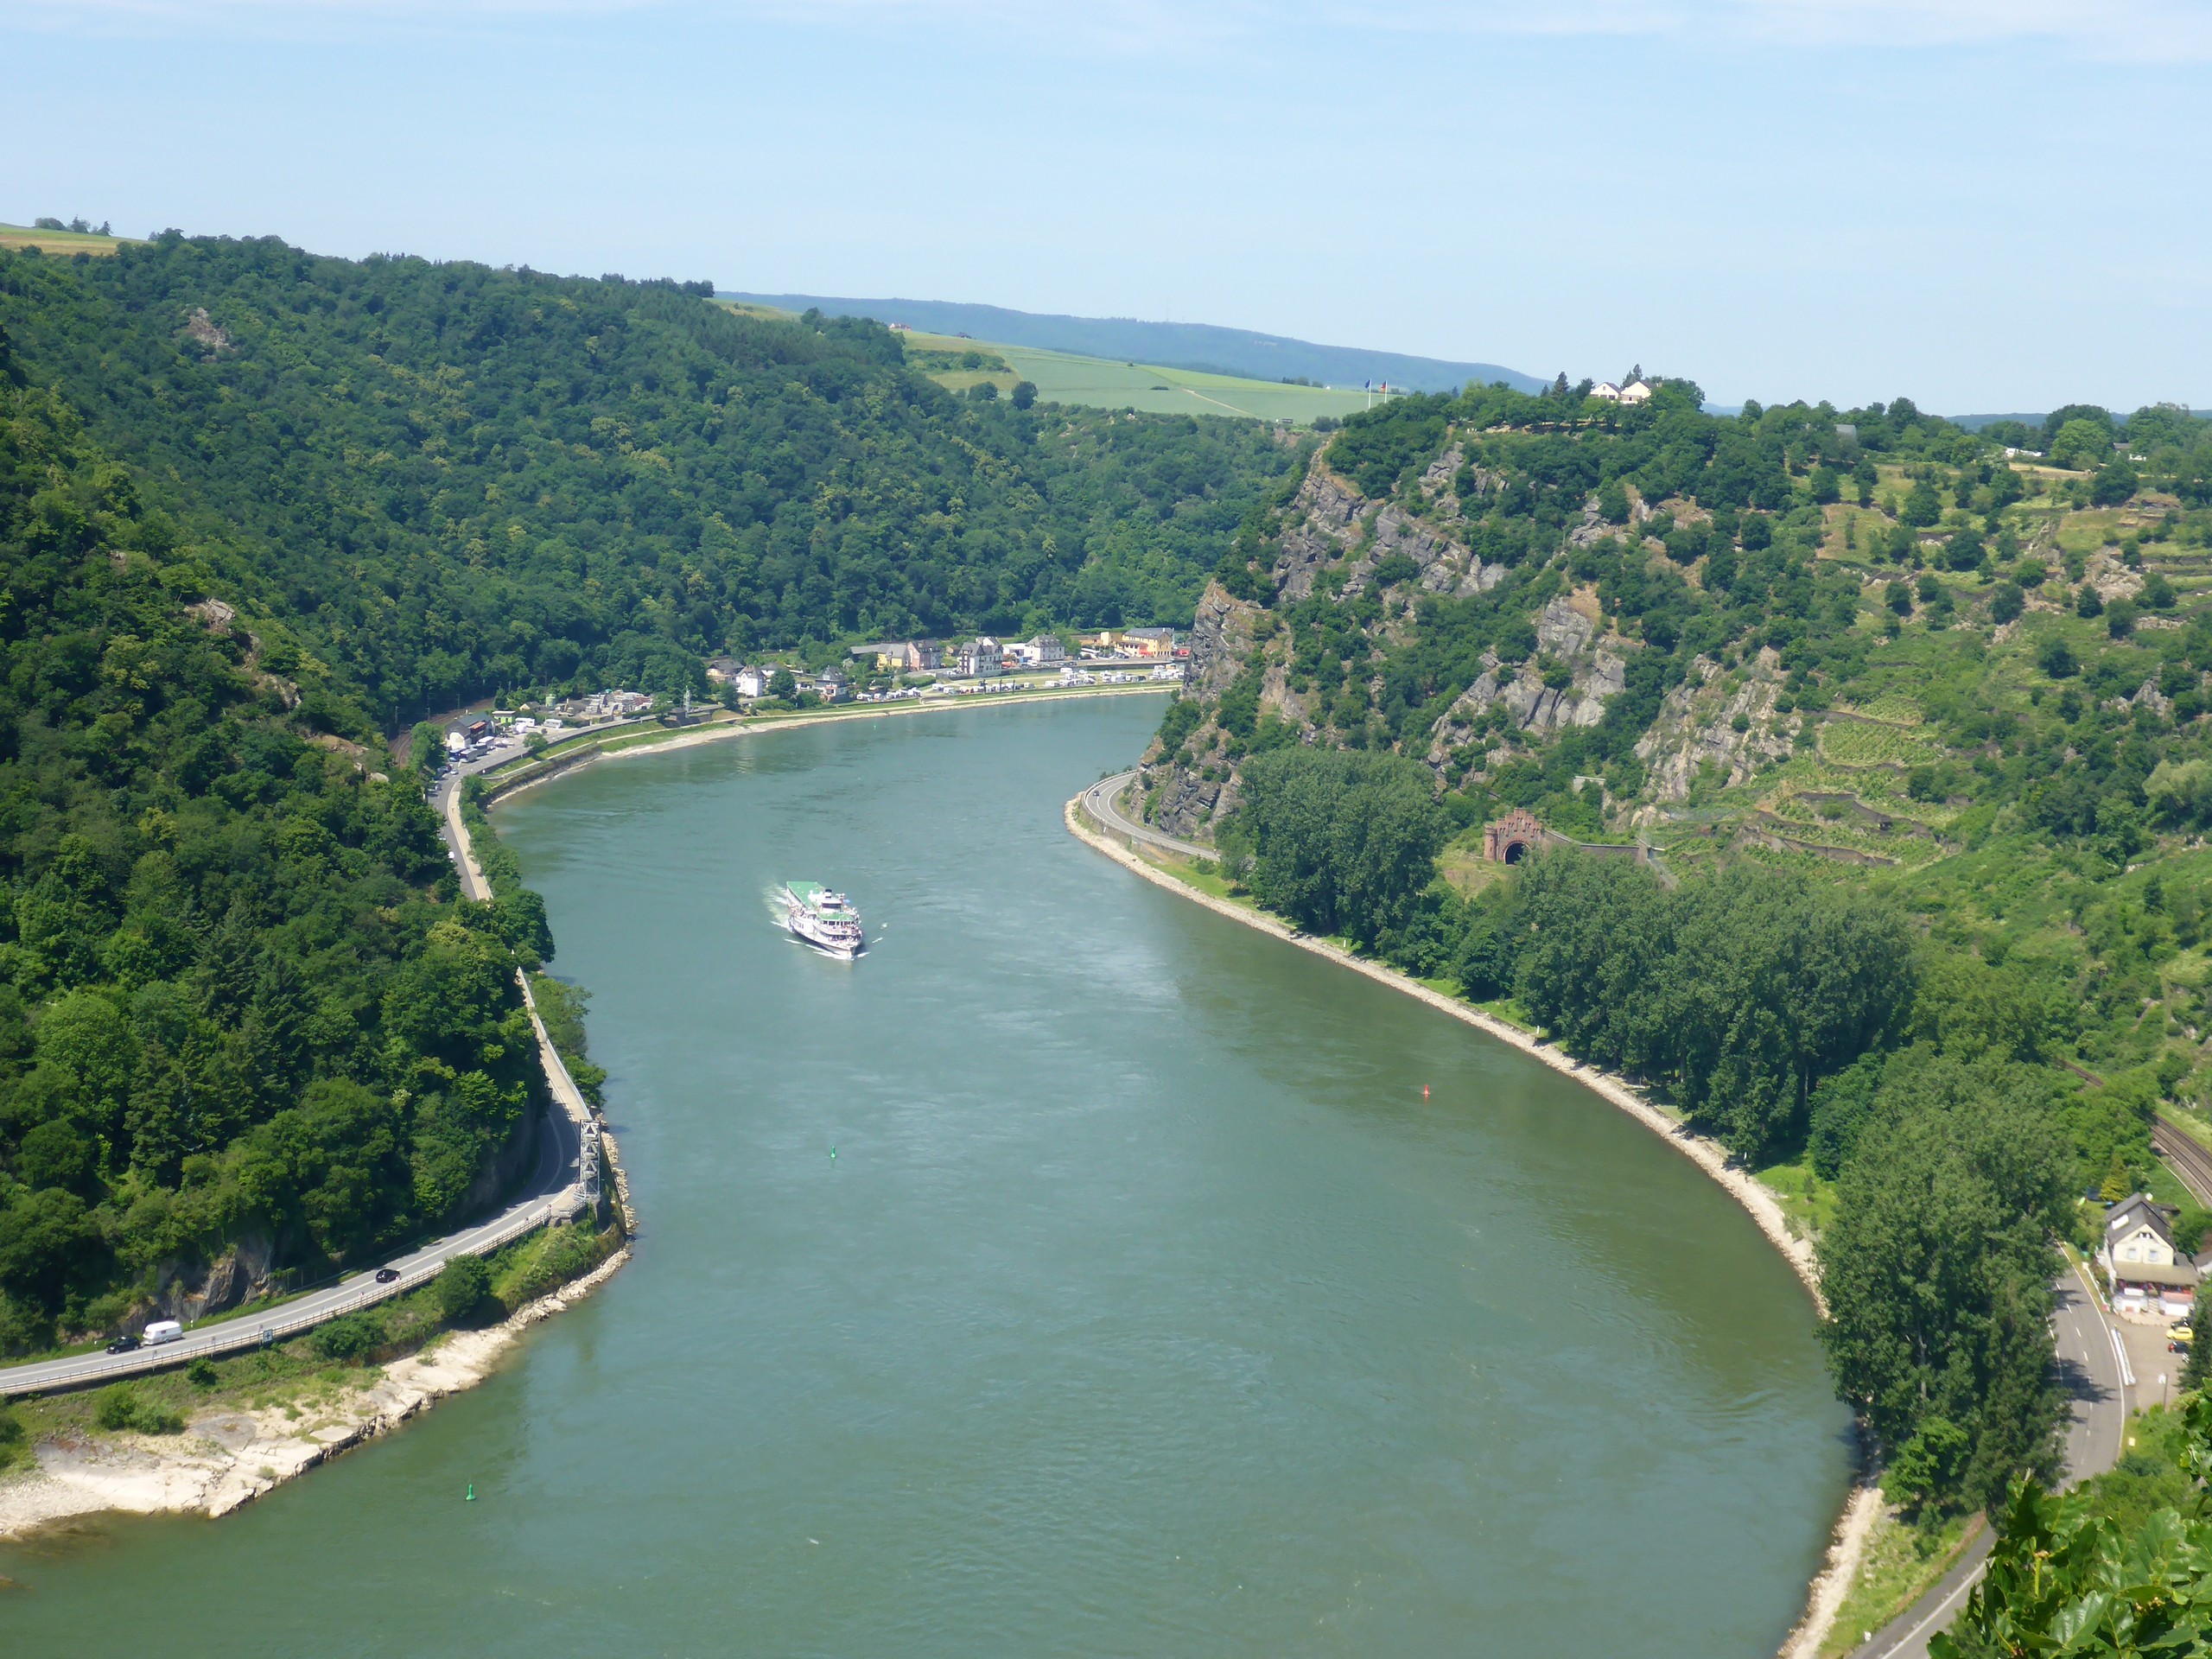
386 1275
123 1345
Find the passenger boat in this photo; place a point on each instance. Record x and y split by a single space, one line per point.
824 918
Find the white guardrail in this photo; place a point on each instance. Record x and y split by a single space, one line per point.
230 1336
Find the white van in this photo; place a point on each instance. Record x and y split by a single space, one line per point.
162 1330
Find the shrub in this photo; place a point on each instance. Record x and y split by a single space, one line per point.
352 1335
2056 659
117 1408
461 1288
201 1373
550 1261
120 1407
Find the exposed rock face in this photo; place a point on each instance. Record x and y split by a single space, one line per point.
186 1292
201 329
499 1176
1565 632
1221 632
1190 802
1223 637
1696 724
1329 519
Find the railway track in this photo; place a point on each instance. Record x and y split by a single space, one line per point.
2187 1156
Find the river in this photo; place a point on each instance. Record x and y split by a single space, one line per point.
1079 1273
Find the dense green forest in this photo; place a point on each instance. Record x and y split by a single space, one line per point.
436 482
235 994
1907 734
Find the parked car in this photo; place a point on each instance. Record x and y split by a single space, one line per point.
163 1330
123 1345
386 1275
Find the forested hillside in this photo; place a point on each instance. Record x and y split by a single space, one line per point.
1899 743
234 999
436 482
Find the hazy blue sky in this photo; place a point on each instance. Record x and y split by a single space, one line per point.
1982 205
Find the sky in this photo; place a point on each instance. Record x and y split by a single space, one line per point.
1985 205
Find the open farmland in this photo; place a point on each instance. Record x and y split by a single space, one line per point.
24 236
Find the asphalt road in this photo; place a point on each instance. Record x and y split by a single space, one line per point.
1102 800
546 1197
2088 1363
550 1193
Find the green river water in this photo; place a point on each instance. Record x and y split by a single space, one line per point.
1146 1307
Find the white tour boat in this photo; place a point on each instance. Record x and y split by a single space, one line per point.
822 918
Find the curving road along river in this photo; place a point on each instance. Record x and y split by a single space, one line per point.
1077 1272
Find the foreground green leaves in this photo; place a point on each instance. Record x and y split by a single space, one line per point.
2063 1580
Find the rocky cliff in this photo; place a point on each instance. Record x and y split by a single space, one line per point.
1372 564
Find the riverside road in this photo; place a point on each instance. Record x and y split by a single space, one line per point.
2088 1363
1102 800
2088 1355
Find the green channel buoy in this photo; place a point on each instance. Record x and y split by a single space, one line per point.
471 1498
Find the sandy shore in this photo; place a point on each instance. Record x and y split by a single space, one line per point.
1848 1543
228 1456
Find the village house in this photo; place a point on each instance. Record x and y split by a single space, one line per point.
2151 1276
1045 650
980 657
720 670
752 680
1606 391
902 656
1636 392
1148 642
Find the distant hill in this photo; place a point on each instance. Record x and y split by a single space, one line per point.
1197 345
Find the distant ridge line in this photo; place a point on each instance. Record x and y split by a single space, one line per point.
1203 348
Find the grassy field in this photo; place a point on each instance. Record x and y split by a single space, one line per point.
21 236
1098 383
1062 379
